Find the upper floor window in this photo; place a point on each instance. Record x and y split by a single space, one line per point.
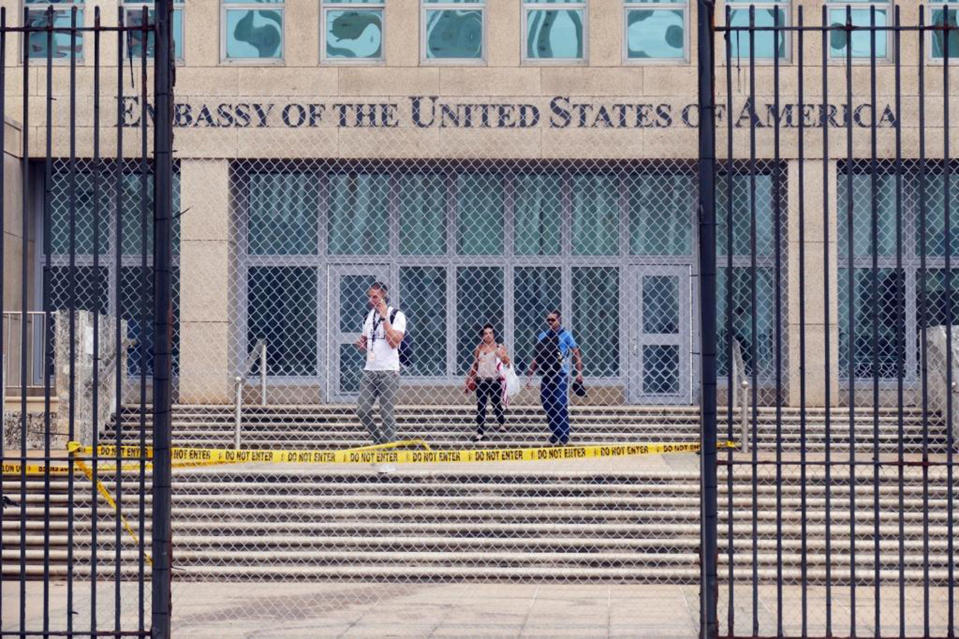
352 30
554 30
133 17
761 44
453 30
252 30
62 45
859 45
945 12
656 29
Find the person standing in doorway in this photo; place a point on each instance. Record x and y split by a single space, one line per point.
486 378
554 348
383 330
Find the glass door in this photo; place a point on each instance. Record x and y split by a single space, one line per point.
348 285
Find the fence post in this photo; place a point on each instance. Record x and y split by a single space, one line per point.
709 586
162 311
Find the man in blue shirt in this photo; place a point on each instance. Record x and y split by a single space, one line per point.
554 349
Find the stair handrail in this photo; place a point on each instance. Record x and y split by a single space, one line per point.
740 392
110 359
257 353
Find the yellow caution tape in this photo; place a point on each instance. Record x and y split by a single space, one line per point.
378 455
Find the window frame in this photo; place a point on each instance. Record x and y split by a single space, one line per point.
472 5
783 5
670 5
58 8
344 5
932 7
227 6
863 5
131 6
537 5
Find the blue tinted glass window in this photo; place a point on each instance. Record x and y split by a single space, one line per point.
766 14
353 30
655 29
133 16
940 17
555 30
61 44
254 30
453 29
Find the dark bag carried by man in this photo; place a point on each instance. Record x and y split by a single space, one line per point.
549 358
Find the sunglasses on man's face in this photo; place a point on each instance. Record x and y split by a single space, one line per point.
551 320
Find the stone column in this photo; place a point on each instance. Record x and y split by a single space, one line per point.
813 307
206 281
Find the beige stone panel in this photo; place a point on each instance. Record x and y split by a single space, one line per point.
458 81
301 38
489 143
401 33
504 40
934 78
675 142
201 34
206 143
586 81
11 138
287 143
389 143
205 193
589 144
816 375
210 81
205 376
605 35
674 80
388 81
316 82
204 281
12 269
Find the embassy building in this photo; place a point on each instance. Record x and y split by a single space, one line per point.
490 160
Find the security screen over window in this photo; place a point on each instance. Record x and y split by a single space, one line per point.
38 15
765 14
656 29
352 30
554 30
253 30
453 29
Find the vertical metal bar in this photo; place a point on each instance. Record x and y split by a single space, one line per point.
163 316
874 302
730 359
801 203
94 520
851 275
263 373
777 356
3 212
827 319
145 282
923 321
24 230
118 317
753 359
71 302
947 216
900 324
47 319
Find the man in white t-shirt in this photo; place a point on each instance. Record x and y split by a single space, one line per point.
381 375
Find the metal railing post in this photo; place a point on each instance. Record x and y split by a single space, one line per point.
238 411
263 374
744 414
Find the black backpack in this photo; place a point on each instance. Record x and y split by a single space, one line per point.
549 357
405 347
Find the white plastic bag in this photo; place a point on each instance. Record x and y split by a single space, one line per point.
513 385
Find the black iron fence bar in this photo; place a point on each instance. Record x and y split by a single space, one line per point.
923 321
47 333
801 205
145 296
848 26
118 330
947 212
858 463
777 356
753 323
74 633
731 387
827 319
874 300
95 463
25 228
3 114
163 361
79 29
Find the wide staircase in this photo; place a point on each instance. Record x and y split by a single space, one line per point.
510 522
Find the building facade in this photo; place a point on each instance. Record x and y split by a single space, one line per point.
491 160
